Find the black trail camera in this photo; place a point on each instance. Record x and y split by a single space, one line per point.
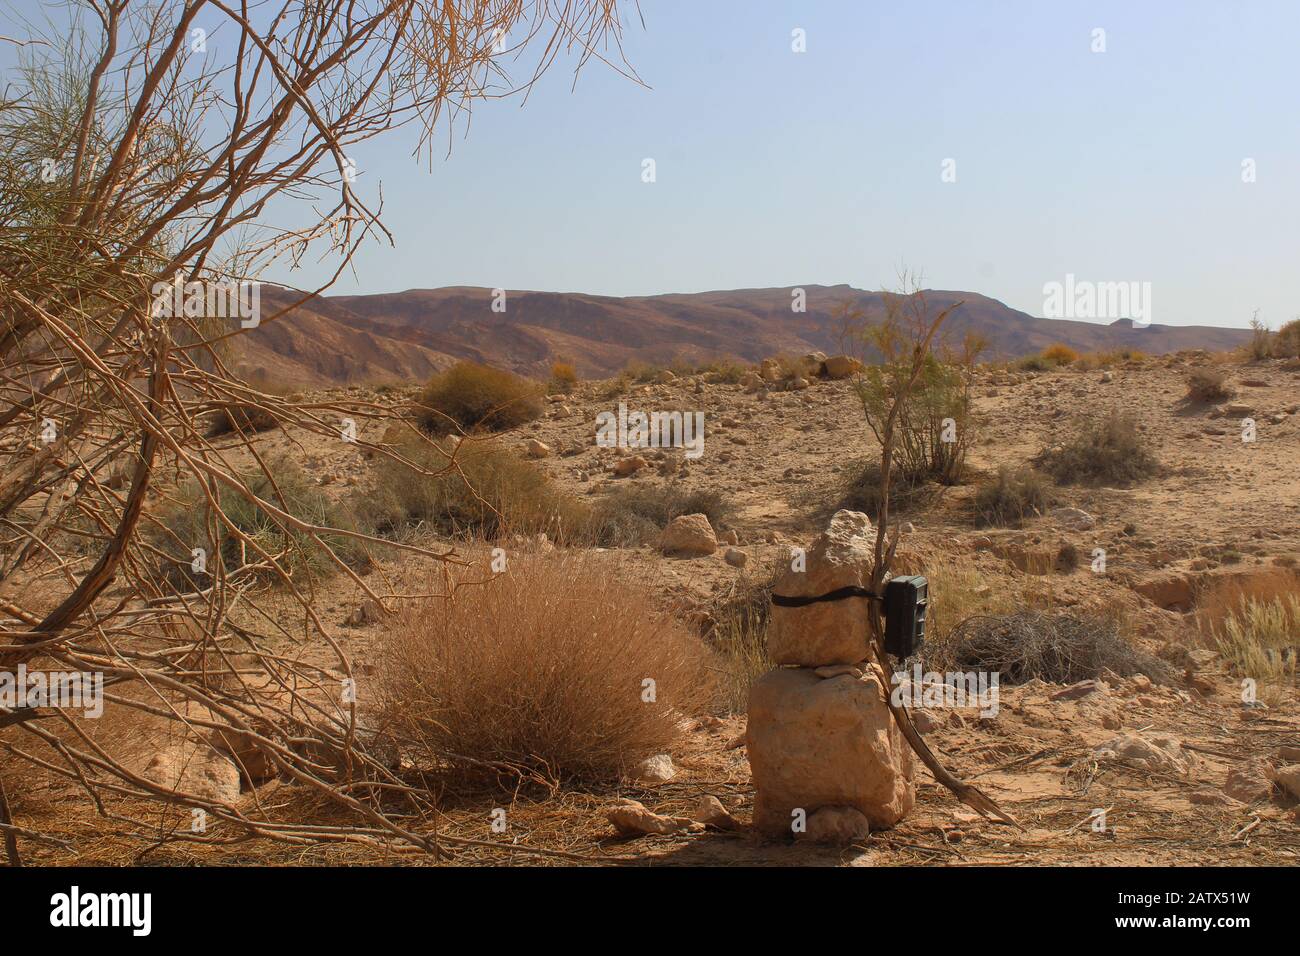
905 600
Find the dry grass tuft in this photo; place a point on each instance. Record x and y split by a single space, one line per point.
469 397
564 378
1286 341
737 631
542 672
1259 641
636 514
1254 622
1012 496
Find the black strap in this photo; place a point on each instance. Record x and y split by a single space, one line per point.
839 594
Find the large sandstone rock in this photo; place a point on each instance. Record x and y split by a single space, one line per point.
1159 752
689 536
840 366
817 743
1288 778
834 632
1171 590
191 767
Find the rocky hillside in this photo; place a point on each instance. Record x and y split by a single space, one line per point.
397 336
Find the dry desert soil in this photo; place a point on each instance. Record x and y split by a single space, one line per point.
1218 507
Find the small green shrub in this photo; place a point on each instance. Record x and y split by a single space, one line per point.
475 488
1105 450
189 521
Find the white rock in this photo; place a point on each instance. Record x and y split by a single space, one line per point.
656 769
839 826
1076 519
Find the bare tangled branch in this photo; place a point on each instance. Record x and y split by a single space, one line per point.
138 159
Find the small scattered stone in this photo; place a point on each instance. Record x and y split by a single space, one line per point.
656 769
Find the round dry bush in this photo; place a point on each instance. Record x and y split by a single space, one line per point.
469 397
555 670
1286 343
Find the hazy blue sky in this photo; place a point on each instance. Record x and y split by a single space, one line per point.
777 168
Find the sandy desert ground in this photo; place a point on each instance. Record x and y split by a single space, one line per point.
1219 507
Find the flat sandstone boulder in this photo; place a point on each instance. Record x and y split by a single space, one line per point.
817 742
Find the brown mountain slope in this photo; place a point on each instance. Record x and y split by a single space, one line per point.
404 336
322 343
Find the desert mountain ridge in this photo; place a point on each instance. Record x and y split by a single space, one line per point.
406 336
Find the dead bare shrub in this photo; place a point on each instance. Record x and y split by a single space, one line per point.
1054 647
469 397
556 669
240 418
1105 450
1207 385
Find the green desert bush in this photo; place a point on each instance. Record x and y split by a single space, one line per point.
1013 495
1103 450
634 515
1034 363
469 397
187 521
473 488
539 674
934 429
